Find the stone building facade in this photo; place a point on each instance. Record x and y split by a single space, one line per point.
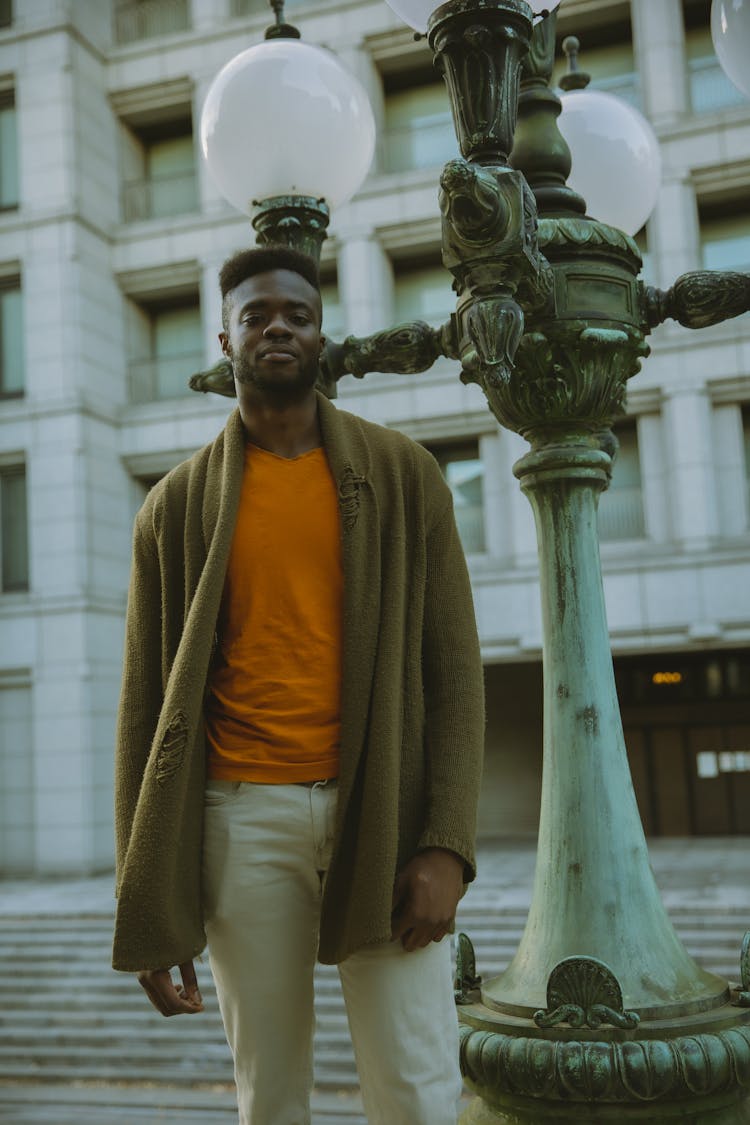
111 235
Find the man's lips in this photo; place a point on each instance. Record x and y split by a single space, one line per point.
277 353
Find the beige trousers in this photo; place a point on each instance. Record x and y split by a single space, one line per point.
266 851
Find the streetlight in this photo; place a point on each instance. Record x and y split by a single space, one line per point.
730 31
602 1015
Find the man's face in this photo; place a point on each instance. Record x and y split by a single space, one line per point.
273 338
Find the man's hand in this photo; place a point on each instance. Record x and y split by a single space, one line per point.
425 897
165 997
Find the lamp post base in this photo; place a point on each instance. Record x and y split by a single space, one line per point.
534 1112
694 1070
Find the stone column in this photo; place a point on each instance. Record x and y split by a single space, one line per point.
690 461
659 48
729 467
210 297
657 516
365 279
674 230
511 535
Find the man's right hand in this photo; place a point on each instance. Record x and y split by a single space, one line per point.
167 999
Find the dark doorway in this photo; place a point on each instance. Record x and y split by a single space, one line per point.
687 730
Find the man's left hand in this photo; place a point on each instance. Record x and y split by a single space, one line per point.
425 897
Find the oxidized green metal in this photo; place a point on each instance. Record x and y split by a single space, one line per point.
299 221
602 1015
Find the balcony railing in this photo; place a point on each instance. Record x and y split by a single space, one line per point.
145 19
163 377
621 514
710 89
160 197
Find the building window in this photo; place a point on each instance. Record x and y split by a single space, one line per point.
418 128
463 469
725 235
8 151
423 292
11 340
13 529
166 343
159 171
6 13
621 506
145 19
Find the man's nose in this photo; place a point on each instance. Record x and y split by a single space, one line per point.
276 326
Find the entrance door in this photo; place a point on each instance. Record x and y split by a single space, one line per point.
691 780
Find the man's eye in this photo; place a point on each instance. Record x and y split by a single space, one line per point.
251 318
300 318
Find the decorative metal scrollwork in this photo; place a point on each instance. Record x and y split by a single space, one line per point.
467 983
584 992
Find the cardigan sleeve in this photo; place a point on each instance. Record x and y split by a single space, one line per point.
453 695
141 693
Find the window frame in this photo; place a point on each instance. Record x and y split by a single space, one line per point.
12 284
13 469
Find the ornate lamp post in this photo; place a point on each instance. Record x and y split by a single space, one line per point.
602 1015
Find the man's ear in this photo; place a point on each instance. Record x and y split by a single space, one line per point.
226 348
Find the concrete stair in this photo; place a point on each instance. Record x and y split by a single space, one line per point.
80 1043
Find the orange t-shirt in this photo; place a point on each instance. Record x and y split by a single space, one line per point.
274 701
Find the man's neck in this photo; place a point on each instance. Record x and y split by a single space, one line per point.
287 429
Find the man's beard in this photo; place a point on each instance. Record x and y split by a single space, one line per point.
292 388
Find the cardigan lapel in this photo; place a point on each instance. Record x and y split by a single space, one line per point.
348 455
221 495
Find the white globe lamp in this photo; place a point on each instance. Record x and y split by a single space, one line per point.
285 118
615 155
730 31
416 13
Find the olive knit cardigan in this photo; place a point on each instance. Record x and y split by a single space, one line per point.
412 721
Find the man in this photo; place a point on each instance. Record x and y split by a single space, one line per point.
301 725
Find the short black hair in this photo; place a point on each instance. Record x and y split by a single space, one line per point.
262 259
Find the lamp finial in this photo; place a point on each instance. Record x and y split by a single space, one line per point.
280 29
